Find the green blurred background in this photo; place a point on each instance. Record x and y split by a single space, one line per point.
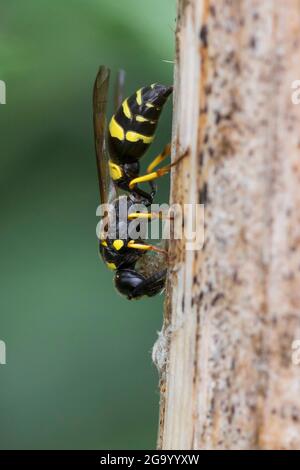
79 373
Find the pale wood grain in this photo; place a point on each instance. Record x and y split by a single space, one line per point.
233 309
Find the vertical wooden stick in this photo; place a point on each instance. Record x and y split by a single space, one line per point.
233 308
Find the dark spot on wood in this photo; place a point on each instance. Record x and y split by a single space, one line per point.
182 304
235 278
218 117
212 405
208 89
216 299
231 414
212 10
252 42
229 57
237 67
206 137
226 117
225 146
203 194
211 151
201 158
203 35
253 408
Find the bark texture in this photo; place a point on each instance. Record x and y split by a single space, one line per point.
233 308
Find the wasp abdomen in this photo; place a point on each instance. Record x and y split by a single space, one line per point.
132 127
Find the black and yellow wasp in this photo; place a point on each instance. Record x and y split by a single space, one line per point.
128 136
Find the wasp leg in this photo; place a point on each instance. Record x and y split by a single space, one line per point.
134 285
149 177
159 158
145 247
155 174
149 215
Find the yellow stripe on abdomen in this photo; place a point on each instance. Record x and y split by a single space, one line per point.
126 109
116 130
139 97
132 136
140 118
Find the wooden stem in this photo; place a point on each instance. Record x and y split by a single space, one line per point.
232 312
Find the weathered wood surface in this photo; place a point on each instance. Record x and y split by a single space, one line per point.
233 308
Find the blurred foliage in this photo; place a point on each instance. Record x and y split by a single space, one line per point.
79 372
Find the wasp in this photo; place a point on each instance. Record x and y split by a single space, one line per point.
119 147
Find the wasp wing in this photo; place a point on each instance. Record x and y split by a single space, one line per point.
119 89
100 97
